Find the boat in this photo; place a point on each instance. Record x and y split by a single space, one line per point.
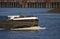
17 22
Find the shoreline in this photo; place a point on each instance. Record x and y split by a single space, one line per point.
55 10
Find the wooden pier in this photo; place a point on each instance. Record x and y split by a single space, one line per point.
29 3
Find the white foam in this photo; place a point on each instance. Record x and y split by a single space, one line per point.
30 28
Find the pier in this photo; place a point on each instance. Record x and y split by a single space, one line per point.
29 3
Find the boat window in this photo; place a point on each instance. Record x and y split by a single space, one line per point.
3 18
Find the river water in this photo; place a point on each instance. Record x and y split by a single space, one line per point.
50 21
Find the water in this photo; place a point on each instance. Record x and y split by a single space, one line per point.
50 21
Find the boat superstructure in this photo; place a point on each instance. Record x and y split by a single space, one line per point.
17 21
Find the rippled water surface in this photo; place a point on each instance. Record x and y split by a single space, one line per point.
50 21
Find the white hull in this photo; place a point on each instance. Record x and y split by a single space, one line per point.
29 28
